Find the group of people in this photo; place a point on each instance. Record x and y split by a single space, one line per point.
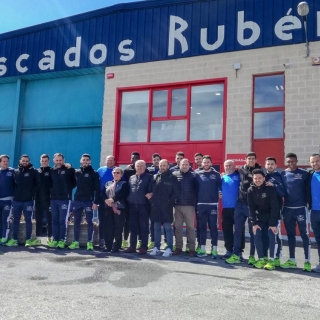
129 199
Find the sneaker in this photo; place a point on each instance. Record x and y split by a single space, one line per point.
61 244
233 259
214 254
155 251
151 245
259 264
226 256
12 243
177 252
266 259
277 262
289 265
74 245
316 269
3 241
28 243
167 253
102 244
36 242
130 250
198 249
307 266
251 260
201 253
89 245
187 249
124 244
165 246
139 244
270 265
53 244
49 240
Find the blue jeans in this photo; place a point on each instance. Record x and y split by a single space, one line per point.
208 214
157 234
60 214
263 239
5 207
77 209
241 214
315 224
17 208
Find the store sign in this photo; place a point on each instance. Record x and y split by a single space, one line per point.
239 159
165 32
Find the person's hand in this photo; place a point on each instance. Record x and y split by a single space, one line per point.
68 165
109 202
220 195
149 195
269 184
94 206
255 228
274 230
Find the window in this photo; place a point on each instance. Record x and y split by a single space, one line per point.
176 113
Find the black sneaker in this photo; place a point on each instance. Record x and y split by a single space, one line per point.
227 255
102 244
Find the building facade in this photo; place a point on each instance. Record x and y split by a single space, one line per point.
220 77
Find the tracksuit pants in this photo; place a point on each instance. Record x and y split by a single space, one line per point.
292 217
17 208
240 216
207 214
77 208
114 226
227 228
139 224
264 239
315 224
5 207
60 213
43 206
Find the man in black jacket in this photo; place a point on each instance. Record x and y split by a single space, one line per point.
264 213
185 207
86 199
27 182
166 190
42 204
62 182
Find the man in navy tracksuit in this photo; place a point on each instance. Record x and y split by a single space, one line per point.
86 198
27 182
140 192
62 182
6 195
263 214
295 181
314 200
42 204
273 179
209 184
242 211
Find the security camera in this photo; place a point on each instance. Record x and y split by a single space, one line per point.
286 64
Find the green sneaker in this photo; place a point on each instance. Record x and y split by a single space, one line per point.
307 266
270 265
233 259
52 244
187 249
151 245
89 245
214 254
289 265
198 249
139 244
201 253
266 259
12 243
124 244
61 244
259 264
3 241
251 260
277 262
36 242
74 245
28 243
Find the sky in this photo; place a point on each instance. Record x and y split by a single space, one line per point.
17 14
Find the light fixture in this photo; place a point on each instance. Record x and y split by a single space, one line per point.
303 10
218 94
198 113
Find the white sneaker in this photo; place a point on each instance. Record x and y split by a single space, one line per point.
154 251
167 253
316 269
